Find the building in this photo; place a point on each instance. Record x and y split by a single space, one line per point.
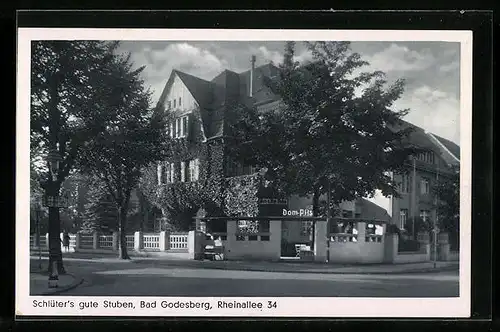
199 113
423 172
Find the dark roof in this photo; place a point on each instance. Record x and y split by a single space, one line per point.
370 210
200 89
452 147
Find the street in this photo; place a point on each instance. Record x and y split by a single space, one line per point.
157 278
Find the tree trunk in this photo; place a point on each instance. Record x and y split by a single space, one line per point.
122 219
55 254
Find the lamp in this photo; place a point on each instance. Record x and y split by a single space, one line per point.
54 160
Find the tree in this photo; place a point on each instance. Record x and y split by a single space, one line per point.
131 140
448 203
65 77
100 211
326 133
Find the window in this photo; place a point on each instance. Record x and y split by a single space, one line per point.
159 172
194 170
425 215
405 183
179 127
184 125
306 228
403 217
179 101
169 104
425 186
184 172
171 172
427 157
174 103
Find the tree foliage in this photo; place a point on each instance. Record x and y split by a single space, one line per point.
335 125
64 112
130 139
448 209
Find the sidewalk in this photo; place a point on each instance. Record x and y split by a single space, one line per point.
39 283
263 266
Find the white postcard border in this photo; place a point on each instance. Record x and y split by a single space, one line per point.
286 306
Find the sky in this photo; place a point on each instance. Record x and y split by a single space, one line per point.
430 69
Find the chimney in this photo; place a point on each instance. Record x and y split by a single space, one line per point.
251 75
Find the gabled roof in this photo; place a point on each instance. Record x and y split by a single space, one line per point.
370 210
453 148
199 88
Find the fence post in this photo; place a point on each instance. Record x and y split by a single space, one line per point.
195 245
95 240
320 241
47 240
77 241
391 243
443 247
361 227
115 241
138 241
164 241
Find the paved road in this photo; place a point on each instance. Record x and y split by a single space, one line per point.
158 279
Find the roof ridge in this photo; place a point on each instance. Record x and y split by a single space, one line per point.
198 78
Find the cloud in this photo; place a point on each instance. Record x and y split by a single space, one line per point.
449 67
400 58
433 110
193 60
277 57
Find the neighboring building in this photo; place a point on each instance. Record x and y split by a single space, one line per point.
423 173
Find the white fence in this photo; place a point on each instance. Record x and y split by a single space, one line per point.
86 241
106 241
178 241
147 242
130 241
151 242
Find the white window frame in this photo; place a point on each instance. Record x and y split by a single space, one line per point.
425 186
177 128
194 170
159 173
425 215
306 228
183 171
172 173
403 218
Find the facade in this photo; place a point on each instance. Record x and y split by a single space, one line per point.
423 173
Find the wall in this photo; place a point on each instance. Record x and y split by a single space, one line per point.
454 256
391 254
257 250
178 89
412 257
357 252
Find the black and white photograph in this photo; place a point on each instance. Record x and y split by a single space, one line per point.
174 168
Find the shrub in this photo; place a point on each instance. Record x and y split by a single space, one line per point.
408 245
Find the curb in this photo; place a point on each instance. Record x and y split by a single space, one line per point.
409 271
76 283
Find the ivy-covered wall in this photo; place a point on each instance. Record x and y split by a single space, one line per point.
217 195
241 196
